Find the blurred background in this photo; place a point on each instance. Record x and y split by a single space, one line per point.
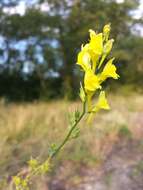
39 81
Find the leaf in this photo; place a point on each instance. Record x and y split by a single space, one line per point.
75 133
76 115
82 93
52 149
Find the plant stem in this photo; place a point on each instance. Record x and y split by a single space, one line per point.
70 132
61 145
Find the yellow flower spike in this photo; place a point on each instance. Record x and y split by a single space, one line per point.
108 71
91 82
92 55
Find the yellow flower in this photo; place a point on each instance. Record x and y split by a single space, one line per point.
95 47
91 52
96 42
101 104
91 81
108 71
84 60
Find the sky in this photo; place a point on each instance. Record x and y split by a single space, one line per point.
22 7
138 13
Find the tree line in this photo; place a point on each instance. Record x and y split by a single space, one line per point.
38 48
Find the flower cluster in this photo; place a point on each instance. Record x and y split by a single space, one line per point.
92 59
35 168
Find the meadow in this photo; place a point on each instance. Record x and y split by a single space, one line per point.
28 129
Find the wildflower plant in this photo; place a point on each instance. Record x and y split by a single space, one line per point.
92 59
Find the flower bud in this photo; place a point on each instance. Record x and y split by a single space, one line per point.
108 46
106 31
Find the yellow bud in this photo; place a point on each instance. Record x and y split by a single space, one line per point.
106 31
107 28
108 46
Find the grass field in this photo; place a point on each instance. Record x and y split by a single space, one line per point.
27 130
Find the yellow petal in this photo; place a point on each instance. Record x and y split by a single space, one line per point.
101 104
109 71
95 47
92 33
84 60
91 81
96 42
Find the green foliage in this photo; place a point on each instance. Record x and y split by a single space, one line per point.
82 94
73 117
125 132
52 149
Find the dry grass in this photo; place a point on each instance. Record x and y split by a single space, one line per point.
29 129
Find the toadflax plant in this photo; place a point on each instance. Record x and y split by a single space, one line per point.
93 61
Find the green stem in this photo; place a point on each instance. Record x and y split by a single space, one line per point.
70 132
61 145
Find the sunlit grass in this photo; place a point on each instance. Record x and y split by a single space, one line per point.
28 130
